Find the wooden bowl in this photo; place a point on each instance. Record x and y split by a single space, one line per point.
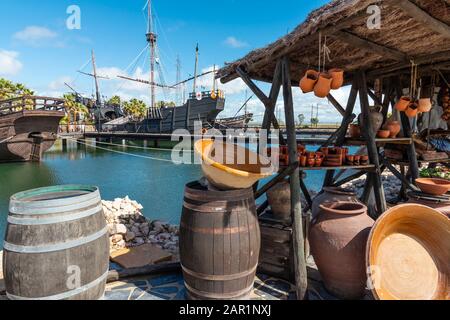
408 254
434 186
221 165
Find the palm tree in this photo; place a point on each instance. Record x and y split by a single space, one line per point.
135 108
73 108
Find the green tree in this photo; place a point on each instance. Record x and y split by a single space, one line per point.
9 89
135 108
301 119
315 122
162 104
115 101
73 109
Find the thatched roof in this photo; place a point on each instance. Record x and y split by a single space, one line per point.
410 29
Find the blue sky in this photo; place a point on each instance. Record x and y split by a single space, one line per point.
37 49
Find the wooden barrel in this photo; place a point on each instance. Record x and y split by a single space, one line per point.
219 243
56 245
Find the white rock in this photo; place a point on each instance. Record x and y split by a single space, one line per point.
120 229
116 238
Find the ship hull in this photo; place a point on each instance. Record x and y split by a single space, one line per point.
26 135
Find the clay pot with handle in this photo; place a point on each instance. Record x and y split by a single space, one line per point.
338 238
279 198
338 78
425 105
323 85
309 81
376 117
403 103
412 110
394 127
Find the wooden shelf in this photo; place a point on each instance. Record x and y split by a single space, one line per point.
360 167
361 141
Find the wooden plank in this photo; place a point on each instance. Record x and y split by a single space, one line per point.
301 278
423 17
336 104
370 46
140 256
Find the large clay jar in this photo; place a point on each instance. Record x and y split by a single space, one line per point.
338 78
338 240
309 81
394 127
279 198
376 118
323 85
332 195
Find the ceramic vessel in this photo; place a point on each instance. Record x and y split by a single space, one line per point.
434 186
309 81
338 78
311 162
338 238
323 85
412 110
357 160
383 134
303 161
376 118
332 195
394 127
403 103
279 198
350 160
425 105
441 206
355 131
408 254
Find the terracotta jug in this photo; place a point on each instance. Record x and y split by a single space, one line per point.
338 78
279 198
323 85
332 195
309 81
403 104
425 105
376 118
412 110
338 239
394 127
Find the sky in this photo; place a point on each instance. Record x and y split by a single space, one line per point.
38 49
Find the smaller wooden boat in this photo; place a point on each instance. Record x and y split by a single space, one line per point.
230 166
28 127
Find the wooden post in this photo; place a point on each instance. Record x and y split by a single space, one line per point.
373 177
296 206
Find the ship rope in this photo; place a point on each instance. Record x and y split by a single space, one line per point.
130 154
135 147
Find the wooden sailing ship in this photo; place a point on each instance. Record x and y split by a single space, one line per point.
28 127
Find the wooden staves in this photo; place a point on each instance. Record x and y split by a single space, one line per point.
219 243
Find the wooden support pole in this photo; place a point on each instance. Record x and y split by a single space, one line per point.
399 176
301 277
369 135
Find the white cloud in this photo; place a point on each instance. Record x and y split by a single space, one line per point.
9 63
34 35
233 42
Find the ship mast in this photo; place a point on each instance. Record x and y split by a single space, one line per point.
195 69
97 89
151 39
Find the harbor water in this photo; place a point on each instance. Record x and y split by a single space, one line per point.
147 176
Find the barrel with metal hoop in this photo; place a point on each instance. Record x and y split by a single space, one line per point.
219 243
56 245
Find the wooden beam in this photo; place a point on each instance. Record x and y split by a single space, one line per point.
367 45
273 97
423 17
298 239
336 104
280 177
261 96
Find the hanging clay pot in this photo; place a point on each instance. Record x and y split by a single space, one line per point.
412 110
355 131
323 85
338 240
279 198
376 118
394 127
403 103
333 194
309 81
425 105
303 161
338 78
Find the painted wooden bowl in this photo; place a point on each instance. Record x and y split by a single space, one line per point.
229 166
434 186
408 254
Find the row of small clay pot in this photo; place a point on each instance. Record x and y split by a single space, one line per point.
412 107
322 82
305 159
389 130
356 160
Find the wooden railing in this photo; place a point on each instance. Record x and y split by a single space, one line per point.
31 103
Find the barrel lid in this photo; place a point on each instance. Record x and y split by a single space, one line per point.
54 196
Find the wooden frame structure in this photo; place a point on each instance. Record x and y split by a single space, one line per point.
373 62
